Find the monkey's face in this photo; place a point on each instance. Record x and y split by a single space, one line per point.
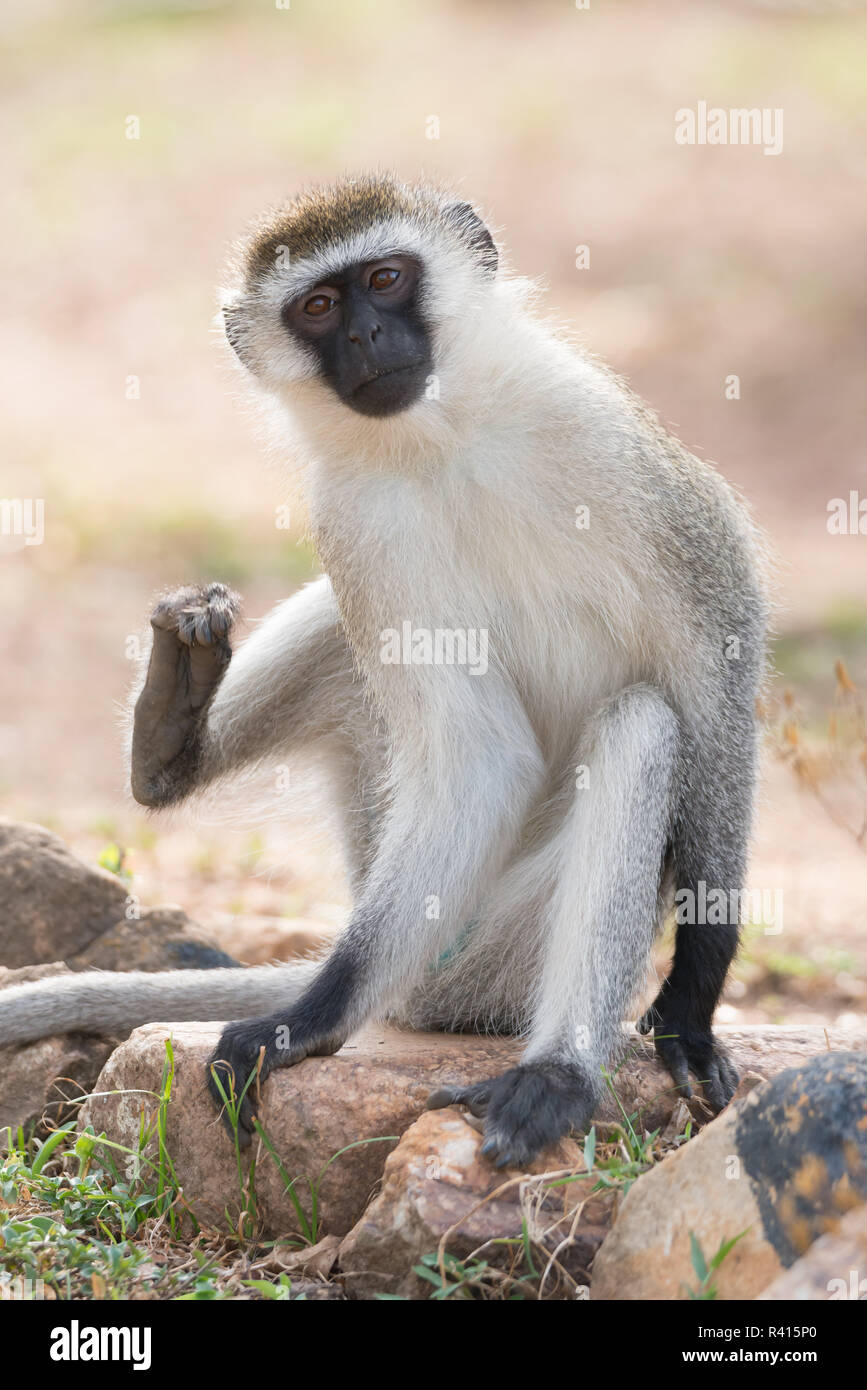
356 296
366 328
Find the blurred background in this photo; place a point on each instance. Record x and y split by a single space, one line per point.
120 410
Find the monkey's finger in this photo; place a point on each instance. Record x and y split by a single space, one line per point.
647 1022
326 1047
500 1157
223 606
674 1059
729 1074
716 1085
475 1098
164 617
221 1083
446 1095
194 626
243 1130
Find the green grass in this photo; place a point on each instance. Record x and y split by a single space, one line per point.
308 1218
74 1208
705 1269
83 1217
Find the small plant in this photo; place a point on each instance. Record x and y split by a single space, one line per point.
308 1226
69 1221
113 857
469 1279
84 1217
280 1289
705 1269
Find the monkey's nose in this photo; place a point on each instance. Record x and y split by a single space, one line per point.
357 335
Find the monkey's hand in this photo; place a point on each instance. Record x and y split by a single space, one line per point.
526 1109
190 652
682 1047
247 1053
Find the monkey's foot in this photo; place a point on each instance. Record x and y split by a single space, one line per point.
250 1051
682 1048
526 1109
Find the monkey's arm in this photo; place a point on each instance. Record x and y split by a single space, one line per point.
461 788
204 711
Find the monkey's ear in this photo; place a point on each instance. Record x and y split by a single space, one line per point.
475 233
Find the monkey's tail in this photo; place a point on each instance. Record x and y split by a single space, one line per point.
101 1002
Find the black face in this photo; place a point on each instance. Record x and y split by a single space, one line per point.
365 327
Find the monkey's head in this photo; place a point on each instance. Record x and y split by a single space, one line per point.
354 289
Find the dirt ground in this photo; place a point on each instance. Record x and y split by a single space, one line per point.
121 411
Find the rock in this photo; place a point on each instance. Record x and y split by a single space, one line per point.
41 1078
784 1166
313 1260
57 908
260 940
30 974
376 1086
162 938
748 1082
316 1291
53 904
437 1186
834 1267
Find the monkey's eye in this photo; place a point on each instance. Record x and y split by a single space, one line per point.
319 304
384 278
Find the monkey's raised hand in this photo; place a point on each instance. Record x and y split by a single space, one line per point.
190 652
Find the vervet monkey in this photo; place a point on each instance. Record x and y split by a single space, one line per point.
514 829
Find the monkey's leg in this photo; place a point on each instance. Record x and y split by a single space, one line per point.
710 838
198 717
460 790
600 928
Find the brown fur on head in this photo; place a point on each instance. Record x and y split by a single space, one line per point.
319 219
